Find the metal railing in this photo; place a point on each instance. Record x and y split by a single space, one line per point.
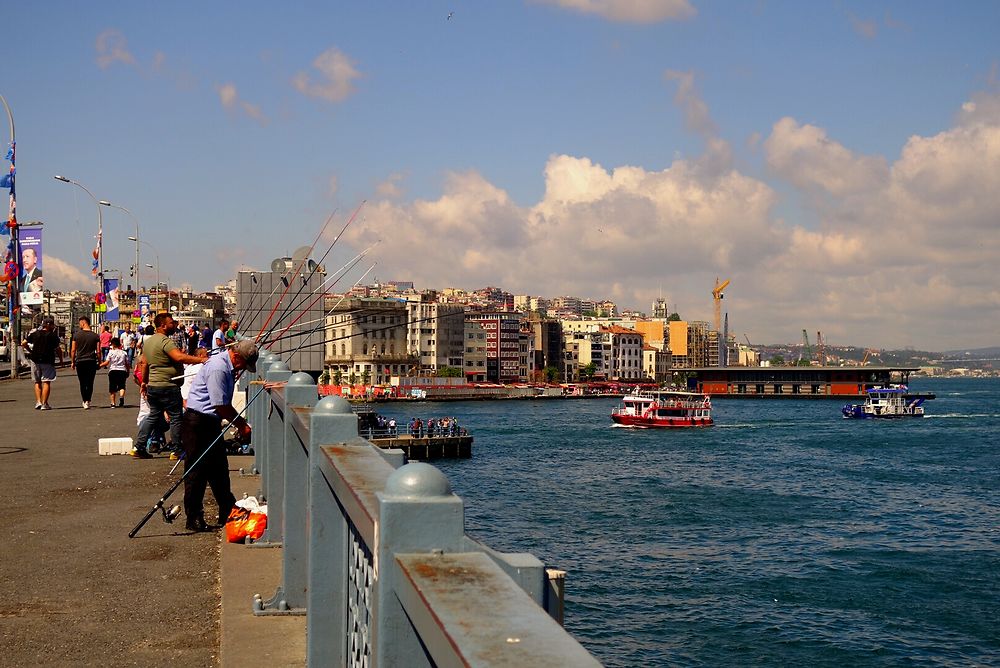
374 551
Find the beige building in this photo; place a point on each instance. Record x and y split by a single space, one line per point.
366 340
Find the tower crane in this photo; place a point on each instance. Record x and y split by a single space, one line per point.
717 297
806 351
820 349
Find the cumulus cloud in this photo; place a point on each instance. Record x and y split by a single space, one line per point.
230 99
804 155
630 11
903 251
61 275
112 47
391 187
336 76
900 252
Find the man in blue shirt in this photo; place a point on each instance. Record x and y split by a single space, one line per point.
209 403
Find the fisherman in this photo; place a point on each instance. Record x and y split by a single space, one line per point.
209 403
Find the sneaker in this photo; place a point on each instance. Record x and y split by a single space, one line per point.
121 402
153 446
86 405
140 454
45 407
113 406
174 455
38 406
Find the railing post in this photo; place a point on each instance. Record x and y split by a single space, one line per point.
418 513
300 391
332 421
257 412
273 459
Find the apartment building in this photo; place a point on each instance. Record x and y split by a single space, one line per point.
366 340
436 334
475 352
503 345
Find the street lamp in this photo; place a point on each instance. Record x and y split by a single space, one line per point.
105 202
156 253
100 236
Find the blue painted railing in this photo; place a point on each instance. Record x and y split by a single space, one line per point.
374 551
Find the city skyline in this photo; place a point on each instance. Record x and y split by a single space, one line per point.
837 161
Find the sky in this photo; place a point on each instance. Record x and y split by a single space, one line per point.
838 161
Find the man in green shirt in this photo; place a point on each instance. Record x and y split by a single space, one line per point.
162 376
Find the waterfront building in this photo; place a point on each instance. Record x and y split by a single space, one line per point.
503 345
688 343
436 334
475 352
547 341
624 361
366 341
656 363
794 381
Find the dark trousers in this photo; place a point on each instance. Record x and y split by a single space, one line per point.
161 400
85 372
198 433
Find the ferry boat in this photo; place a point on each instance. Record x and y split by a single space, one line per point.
651 409
890 401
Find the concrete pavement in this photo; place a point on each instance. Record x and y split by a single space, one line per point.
79 591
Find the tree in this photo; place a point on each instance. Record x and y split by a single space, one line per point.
449 372
777 360
353 378
324 378
674 317
587 371
551 373
366 376
338 376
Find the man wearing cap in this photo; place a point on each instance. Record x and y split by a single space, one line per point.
209 402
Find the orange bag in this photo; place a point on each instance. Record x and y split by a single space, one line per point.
243 524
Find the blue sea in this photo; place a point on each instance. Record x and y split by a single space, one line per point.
784 535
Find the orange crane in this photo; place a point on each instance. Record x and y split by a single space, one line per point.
717 297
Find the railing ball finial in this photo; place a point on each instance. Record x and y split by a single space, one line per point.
332 405
279 366
301 378
417 480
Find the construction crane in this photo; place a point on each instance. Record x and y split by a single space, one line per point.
717 297
806 350
820 349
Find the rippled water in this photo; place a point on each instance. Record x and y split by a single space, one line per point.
784 535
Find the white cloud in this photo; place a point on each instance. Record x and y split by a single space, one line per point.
630 11
230 99
60 275
391 187
805 156
903 252
112 47
336 77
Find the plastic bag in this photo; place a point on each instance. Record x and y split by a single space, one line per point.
243 523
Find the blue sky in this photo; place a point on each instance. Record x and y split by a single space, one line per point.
837 160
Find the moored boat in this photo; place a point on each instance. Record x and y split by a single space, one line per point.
651 409
890 401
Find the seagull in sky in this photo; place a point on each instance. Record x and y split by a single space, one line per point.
450 14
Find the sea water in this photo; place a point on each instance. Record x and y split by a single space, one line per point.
783 535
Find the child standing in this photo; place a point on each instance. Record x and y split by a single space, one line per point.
118 368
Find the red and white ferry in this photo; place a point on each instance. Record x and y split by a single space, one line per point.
650 409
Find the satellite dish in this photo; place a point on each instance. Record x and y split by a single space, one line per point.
280 265
300 255
311 266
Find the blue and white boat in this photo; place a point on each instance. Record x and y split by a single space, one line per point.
891 401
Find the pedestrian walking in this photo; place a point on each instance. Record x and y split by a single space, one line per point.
118 368
42 346
83 358
209 403
128 343
163 374
105 341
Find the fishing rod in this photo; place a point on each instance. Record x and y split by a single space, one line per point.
322 288
305 281
304 259
168 516
321 295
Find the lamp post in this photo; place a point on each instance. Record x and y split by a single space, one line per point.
100 237
156 253
135 267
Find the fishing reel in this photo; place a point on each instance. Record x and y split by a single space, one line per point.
170 515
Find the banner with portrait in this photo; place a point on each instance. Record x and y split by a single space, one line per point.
30 281
111 299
